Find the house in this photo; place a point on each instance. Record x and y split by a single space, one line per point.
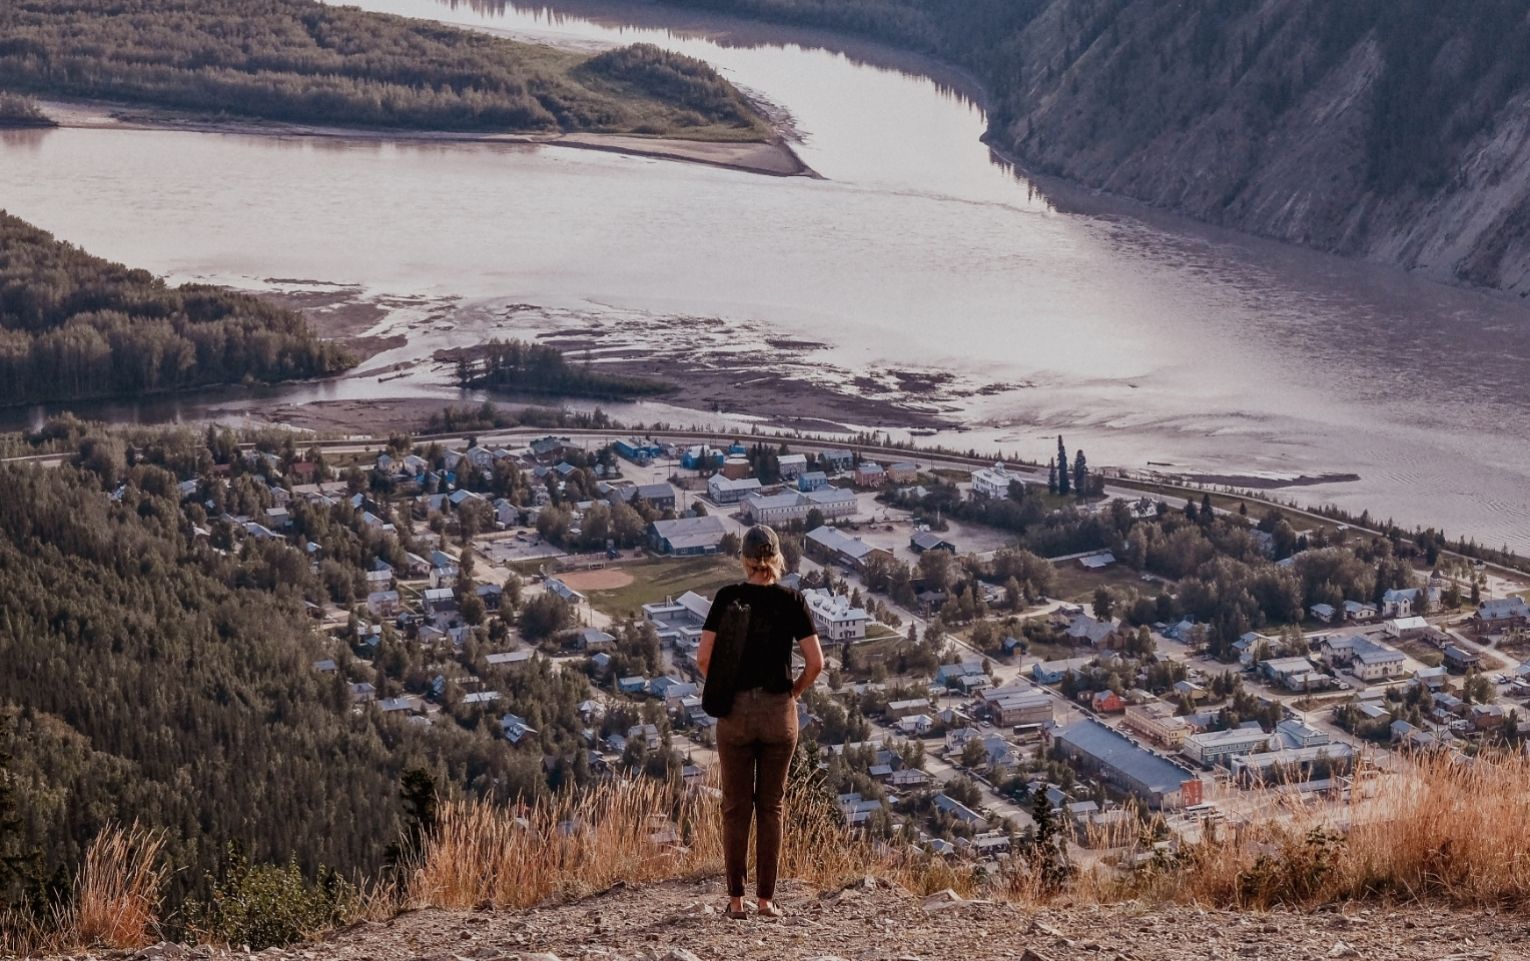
1051 672
510 658
648 734
686 536
1502 614
870 474
1433 678
1367 659
1151 778
812 480
631 685
1107 702
1487 717
1156 721
661 496
594 639
363 692
1295 734
1458 658
950 675
730 490
837 458
959 811
1359 611
383 603
993 481
791 466
830 545
1323 613
701 458
1406 627
515 728
1097 561
834 617
1399 602
906 708
1294 673
1086 629
923 541
916 725
903 472
558 588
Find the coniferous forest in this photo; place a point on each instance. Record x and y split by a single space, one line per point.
304 62
74 326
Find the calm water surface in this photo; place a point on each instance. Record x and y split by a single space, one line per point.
1142 339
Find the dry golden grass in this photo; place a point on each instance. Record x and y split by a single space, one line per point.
1434 828
117 892
115 902
636 831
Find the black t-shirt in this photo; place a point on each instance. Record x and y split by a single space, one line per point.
778 618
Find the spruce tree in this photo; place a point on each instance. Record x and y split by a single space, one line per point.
1080 474
1052 476
1062 467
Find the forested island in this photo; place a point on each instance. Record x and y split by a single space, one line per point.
300 61
526 368
1386 129
74 326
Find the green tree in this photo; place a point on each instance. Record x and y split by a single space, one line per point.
1063 480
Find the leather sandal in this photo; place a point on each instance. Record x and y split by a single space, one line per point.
737 915
772 912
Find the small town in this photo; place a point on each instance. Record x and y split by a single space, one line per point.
1004 656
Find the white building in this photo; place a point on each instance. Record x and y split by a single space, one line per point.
726 490
1217 747
994 481
835 619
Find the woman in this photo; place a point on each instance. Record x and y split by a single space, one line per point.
756 739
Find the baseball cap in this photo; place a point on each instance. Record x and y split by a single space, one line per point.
761 542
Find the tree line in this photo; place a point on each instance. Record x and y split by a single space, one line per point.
74 326
527 368
306 62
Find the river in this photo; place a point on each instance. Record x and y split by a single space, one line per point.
1143 339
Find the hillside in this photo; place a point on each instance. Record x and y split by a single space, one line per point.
1391 131
74 326
678 921
304 62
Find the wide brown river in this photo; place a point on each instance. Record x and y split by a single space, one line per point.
1145 340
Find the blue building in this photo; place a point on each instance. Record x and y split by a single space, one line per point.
812 480
638 451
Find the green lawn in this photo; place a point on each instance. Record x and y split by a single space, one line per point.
665 577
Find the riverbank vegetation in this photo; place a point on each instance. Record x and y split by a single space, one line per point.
18 111
74 326
303 62
526 368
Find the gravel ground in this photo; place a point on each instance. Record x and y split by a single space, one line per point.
682 921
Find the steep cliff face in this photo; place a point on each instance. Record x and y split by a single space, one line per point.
1344 130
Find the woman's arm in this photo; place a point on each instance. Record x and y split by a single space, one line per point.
704 651
812 661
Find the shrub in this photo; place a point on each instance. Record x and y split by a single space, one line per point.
267 905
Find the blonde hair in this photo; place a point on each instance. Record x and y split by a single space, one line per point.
774 565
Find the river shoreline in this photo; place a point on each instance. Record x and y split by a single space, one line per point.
772 157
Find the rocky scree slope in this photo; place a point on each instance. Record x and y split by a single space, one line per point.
682 921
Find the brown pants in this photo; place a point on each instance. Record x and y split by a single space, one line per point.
754 747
